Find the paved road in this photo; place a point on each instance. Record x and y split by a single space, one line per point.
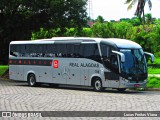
17 96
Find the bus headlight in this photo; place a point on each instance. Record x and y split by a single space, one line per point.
145 80
126 80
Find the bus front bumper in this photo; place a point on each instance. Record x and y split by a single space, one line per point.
133 85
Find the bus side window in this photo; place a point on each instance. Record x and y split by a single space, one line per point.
21 50
17 50
50 50
30 50
61 50
90 51
105 51
13 50
73 50
39 50
76 50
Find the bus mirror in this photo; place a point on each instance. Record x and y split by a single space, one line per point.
151 55
121 55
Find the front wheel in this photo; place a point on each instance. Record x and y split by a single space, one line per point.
97 85
32 80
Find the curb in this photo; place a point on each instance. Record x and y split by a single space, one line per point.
153 89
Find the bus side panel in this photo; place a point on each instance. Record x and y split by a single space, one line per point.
13 72
20 73
85 77
44 74
73 71
59 71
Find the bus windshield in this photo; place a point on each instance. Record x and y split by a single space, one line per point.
135 62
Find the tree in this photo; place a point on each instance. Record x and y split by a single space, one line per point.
140 7
100 19
19 18
148 18
135 21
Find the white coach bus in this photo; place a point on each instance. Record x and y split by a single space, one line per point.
97 62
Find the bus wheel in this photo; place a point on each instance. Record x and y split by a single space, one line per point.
32 80
97 85
121 89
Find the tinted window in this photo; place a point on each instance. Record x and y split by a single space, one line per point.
106 50
89 51
73 50
17 50
50 50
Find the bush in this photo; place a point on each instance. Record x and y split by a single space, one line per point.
153 82
148 36
43 33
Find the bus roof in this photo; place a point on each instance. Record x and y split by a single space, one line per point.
120 43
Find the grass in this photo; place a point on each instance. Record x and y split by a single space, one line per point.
3 69
154 68
153 82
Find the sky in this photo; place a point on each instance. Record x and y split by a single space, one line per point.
116 9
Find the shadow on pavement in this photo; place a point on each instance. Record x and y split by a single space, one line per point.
78 88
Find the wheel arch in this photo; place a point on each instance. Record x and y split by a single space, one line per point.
94 78
28 73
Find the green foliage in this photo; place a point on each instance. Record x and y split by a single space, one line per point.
45 33
135 21
19 18
102 30
3 69
154 68
148 36
153 82
100 19
110 30
86 32
122 30
70 32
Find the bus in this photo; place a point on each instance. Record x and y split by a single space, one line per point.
96 62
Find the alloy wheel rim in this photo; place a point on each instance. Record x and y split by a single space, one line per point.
98 85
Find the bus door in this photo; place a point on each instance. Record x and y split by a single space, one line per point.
59 71
114 77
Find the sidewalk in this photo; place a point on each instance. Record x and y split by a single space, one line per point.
156 75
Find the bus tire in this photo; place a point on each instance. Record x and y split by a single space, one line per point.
32 80
121 89
97 84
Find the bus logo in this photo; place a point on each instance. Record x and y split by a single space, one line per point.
55 64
